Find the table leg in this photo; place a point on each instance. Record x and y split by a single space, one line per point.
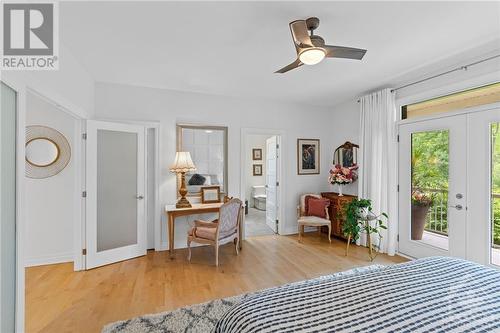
171 235
242 222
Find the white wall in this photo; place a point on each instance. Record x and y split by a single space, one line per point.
50 206
345 127
170 107
254 141
71 86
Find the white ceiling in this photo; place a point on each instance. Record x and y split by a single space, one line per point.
231 48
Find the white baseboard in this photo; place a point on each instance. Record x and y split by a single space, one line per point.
49 260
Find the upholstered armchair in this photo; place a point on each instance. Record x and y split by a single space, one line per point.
305 219
219 232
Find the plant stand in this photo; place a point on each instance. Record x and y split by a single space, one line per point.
372 251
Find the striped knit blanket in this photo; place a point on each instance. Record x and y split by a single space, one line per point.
435 294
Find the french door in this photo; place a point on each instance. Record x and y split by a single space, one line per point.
272 179
115 174
449 181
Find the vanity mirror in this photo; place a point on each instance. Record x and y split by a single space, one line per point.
47 152
346 155
208 148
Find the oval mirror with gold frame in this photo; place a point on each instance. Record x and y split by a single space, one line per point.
47 152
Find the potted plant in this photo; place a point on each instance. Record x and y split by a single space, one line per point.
360 218
420 205
342 176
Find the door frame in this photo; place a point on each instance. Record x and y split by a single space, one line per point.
244 159
465 112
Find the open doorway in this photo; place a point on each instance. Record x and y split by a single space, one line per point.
261 183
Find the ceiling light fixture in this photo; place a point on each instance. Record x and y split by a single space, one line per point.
312 56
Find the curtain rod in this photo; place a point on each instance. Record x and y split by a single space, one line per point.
461 68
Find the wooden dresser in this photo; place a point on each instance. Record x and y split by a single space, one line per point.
336 211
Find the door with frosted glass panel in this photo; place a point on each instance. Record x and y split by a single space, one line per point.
115 178
7 209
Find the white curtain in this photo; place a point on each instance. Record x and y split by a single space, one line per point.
378 162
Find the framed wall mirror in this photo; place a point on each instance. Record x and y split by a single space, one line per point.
208 148
346 155
48 152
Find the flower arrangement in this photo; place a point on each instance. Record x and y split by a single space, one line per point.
343 175
419 198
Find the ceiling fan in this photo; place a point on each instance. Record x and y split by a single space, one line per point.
311 48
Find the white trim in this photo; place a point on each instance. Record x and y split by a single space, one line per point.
245 131
49 260
404 256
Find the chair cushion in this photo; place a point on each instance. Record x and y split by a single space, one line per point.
317 207
313 220
203 232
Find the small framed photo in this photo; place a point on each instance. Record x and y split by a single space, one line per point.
308 156
257 169
210 194
257 154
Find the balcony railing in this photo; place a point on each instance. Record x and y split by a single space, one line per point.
437 218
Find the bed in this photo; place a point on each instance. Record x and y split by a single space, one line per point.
436 294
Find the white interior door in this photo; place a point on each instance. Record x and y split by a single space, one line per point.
433 162
115 177
272 182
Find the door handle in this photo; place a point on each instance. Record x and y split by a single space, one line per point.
139 197
457 207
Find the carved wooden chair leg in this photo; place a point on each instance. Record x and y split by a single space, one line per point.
189 250
236 245
329 233
347 246
301 230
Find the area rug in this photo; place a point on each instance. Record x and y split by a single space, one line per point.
198 318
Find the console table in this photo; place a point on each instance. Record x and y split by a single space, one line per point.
173 212
337 211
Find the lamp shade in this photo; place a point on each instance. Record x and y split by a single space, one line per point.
183 162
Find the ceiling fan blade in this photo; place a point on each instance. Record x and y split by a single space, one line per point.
344 52
300 35
293 65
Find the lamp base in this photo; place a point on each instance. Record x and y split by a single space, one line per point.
183 203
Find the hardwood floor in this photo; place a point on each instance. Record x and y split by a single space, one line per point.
60 300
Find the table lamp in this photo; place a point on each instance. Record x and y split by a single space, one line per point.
182 164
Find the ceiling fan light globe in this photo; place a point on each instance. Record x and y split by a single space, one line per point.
312 56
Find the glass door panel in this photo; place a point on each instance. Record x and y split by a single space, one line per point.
429 187
495 193
7 209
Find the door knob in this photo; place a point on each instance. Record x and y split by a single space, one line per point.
139 197
457 207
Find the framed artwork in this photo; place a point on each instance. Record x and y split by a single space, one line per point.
308 156
257 154
210 194
257 169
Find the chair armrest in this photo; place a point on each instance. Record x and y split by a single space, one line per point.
205 224
298 211
326 211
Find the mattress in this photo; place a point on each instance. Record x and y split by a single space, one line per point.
436 294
